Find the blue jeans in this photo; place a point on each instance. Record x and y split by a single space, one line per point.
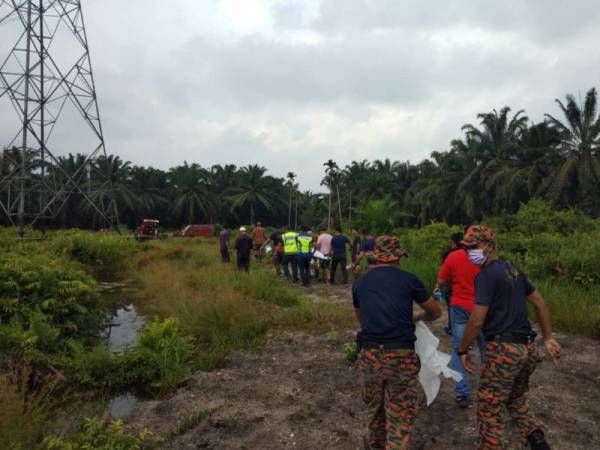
458 319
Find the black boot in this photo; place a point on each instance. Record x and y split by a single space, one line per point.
537 441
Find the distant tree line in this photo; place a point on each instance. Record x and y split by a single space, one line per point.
498 163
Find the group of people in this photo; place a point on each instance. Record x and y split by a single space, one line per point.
301 256
244 245
487 305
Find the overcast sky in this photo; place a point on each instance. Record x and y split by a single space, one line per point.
291 83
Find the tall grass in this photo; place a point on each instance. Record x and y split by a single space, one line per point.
34 405
221 309
573 309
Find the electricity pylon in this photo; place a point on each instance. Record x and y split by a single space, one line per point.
46 74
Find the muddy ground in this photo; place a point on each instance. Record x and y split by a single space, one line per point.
299 392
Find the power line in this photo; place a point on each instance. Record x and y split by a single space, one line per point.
34 184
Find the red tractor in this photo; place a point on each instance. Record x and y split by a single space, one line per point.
148 230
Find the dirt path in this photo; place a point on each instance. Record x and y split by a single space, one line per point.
299 392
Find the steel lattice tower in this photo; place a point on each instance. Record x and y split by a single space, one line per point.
46 74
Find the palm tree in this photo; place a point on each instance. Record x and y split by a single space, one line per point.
254 190
291 176
148 187
489 149
191 192
578 179
331 180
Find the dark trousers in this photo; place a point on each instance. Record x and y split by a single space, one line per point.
286 260
341 260
304 266
225 254
243 262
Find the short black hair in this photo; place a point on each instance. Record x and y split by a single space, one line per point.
457 237
304 228
322 229
365 231
338 229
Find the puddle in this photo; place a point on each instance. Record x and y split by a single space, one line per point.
125 328
122 406
123 332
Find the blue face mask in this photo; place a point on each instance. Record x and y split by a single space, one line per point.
476 256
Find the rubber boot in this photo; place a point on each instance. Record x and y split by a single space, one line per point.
537 440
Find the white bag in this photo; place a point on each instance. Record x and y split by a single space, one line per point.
317 254
433 362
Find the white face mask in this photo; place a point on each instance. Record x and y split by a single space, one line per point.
476 256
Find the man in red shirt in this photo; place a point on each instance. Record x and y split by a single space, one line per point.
259 238
458 273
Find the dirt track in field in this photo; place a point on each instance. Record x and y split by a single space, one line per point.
299 392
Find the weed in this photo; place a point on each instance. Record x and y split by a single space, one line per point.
96 434
189 423
332 337
350 352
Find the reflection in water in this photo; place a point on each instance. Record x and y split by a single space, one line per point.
123 332
121 407
126 326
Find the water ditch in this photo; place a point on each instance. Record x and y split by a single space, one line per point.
122 333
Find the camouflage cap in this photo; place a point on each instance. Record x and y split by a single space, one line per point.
476 234
387 250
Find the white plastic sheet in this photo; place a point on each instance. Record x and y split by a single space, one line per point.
433 362
317 254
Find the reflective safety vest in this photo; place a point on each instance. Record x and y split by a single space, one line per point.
290 243
304 242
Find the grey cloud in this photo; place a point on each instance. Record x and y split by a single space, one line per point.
542 20
374 84
257 71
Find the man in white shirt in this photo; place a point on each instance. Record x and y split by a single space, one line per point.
324 246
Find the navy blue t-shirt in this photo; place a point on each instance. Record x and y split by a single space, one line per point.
385 297
368 245
338 244
503 289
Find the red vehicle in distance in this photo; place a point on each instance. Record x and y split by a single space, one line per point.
196 231
148 230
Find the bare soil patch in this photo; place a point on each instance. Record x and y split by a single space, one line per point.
299 392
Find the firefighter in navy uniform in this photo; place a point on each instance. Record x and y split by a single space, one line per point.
501 295
389 366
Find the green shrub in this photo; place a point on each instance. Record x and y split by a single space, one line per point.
166 352
45 301
96 434
107 255
428 243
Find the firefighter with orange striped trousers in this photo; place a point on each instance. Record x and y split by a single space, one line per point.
501 295
383 301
